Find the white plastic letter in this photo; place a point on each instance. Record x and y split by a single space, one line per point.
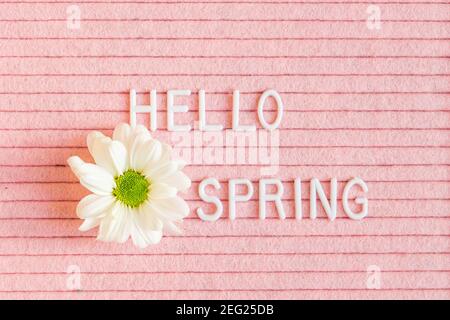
298 199
236 125
233 198
209 199
276 197
152 109
261 102
330 207
172 109
202 114
360 200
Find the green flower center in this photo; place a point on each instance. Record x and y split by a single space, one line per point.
132 188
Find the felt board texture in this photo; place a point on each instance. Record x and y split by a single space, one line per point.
359 101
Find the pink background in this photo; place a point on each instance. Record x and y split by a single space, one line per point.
359 102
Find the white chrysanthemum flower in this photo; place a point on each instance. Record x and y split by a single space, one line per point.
134 186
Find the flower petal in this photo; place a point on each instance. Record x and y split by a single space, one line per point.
161 170
109 154
92 138
135 153
166 153
178 180
144 154
148 216
118 154
181 163
173 209
142 240
75 163
140 129
89 223
141 235
98 181
161 191
115 227
92 177
172 228
98 149
94 206
122 133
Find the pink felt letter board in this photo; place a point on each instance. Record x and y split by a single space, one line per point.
365 88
